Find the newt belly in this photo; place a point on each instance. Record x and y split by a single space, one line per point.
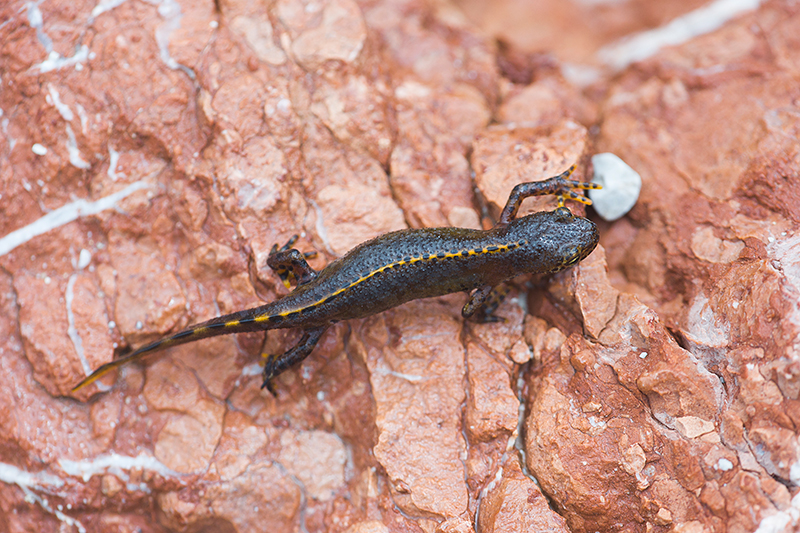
402 266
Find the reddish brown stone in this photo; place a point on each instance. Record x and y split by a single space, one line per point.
152 154
504 156
573 32
417 373
515 503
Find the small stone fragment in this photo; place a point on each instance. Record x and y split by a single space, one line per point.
621 186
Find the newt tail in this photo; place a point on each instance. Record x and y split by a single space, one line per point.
222 325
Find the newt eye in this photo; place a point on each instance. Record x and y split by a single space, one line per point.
572 256
563 214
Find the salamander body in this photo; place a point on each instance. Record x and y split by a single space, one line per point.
402 266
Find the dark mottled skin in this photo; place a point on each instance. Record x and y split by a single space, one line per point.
552 237
402 266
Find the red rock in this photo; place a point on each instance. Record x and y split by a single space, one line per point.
51 356
573 33
416 371
149 297
333 31
516 503
546 102
429 167
151 155
193 425
505 156
317 459
492 403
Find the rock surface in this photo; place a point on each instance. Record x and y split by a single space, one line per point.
151 153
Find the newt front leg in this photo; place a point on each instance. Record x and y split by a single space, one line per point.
289 263
559 186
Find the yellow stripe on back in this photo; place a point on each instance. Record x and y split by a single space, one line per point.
486 250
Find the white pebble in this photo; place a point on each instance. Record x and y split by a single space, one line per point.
621 186
84 258
724 465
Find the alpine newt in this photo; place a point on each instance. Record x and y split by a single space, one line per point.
402 266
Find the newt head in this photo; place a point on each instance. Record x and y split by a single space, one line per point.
555 240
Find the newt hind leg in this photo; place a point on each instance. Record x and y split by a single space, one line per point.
290 264
277 363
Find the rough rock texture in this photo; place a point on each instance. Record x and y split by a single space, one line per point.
151 153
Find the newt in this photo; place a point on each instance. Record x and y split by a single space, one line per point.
401 266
